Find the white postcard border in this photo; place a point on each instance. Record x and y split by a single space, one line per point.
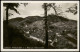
38 49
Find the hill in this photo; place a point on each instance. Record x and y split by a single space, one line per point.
60 30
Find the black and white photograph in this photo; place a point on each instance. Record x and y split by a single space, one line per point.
40 25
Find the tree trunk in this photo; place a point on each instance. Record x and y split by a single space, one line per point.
46 27
7 14
9 36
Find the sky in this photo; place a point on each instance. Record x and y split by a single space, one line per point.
35 9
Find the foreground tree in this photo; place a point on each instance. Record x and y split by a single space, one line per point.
47 7
57 9
46 27
52 5
10 6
